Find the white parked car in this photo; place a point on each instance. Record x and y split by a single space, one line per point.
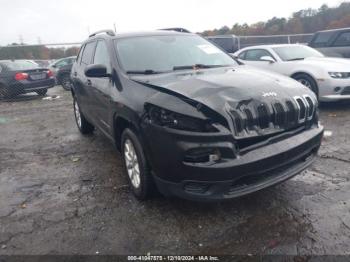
328 77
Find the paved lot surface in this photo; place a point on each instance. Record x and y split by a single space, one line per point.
62 193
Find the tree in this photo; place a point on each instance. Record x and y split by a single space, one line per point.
303 21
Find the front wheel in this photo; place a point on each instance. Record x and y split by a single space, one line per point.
83 125
307 81
136 165
66 82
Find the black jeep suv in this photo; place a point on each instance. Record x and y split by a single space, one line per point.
188 119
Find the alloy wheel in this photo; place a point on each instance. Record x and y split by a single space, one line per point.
77 113
305 82
132 163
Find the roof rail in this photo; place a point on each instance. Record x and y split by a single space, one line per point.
107 31
177 29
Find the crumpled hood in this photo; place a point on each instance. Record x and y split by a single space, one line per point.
223 88
331 64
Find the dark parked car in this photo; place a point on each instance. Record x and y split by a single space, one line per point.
63 76
334 43
228 43
20 76
188 119
61 62
43 63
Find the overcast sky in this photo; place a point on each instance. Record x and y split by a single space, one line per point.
57 21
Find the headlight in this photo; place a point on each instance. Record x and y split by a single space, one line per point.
339 74
163 117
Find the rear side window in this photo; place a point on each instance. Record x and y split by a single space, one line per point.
101 54
322 39
87 53
343 40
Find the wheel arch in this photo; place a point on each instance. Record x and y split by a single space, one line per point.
309 75
120 123
302 72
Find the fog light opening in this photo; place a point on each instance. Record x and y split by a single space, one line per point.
215 156
196 188
203 155
337 89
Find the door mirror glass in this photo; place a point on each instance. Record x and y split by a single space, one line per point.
96 70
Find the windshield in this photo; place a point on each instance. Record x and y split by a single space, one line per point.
166 53
19 65
290 53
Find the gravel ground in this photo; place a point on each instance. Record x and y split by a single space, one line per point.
62 193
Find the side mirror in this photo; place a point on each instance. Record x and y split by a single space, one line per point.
96 70
54 66
267 59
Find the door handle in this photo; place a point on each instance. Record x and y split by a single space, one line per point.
89 82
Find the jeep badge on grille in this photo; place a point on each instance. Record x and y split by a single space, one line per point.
269 94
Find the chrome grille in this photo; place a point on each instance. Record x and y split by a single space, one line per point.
302 109
250 121
279 115
263 116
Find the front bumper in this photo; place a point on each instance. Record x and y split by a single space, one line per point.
334 89
229 178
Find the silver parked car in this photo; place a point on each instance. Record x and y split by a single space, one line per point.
328 77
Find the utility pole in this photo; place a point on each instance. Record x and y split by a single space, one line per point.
21 39
39 40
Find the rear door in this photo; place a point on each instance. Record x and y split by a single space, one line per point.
101 88
82 84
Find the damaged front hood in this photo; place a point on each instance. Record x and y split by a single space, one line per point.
222 89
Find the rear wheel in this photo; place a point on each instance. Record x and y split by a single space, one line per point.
83 125
4 91
307 81
42 92
66 82
136 165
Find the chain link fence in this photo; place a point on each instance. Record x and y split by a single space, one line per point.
31 70
245 41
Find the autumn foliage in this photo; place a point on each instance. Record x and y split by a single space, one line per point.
303 21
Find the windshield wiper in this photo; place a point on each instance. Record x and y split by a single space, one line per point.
295 59
200 66
145 72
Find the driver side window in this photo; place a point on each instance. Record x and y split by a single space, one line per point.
256 54
101 55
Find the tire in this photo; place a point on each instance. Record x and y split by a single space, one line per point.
141 182
4 92
42 92
83 125
66 82
307 81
